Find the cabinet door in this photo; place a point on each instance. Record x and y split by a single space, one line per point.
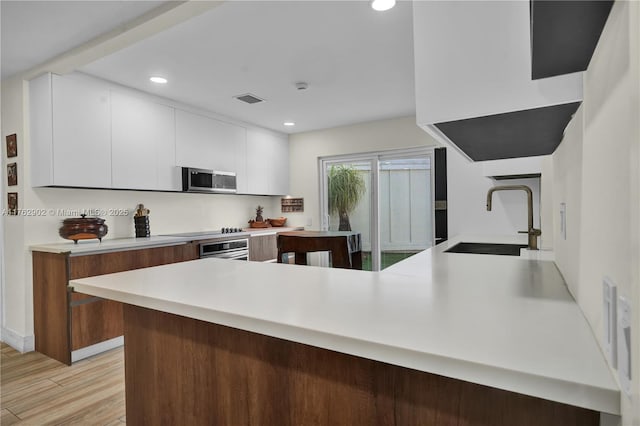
257 162
205 143
143 144
279 185
263 248
267 163
81 134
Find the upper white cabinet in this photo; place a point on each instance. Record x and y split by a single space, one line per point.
70 132
206 143
142 144
267 162
87 132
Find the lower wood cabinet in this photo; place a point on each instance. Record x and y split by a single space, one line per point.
263 248
64 320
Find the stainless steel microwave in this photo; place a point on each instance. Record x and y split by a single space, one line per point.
200 180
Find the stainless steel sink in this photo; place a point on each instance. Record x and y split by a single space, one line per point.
487 248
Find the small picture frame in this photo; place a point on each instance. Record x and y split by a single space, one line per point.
12 203
12 145
12 174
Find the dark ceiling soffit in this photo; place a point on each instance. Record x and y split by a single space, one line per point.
564 34
516 134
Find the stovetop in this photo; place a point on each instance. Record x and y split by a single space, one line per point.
223 231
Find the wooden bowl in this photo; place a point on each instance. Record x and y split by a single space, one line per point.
279 221
83 228
254 224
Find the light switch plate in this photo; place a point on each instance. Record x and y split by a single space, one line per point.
624 344
609 320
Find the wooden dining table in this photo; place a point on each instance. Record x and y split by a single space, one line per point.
345 246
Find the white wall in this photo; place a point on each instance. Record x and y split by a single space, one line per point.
467 199
170 213
17 324
567 189
596 172
467 186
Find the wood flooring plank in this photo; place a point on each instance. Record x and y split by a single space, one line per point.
86 371
34 376
68 401
30 357
8 352
86 377
37 390
7 418
27 370
103 412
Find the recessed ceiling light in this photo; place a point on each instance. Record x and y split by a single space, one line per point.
382 5
289 123
159 80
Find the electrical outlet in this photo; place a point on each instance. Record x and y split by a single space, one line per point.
309 222
609 320
624 344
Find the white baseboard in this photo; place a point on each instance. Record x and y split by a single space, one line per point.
88 351
17 341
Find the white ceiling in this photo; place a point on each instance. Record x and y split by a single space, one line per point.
358 62
35 31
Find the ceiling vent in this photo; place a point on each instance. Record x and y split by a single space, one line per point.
249 98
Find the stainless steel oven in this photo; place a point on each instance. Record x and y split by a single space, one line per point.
237 249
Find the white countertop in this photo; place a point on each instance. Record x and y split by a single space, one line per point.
86 247
501 321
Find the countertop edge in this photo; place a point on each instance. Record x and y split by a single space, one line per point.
102 250
133 243
572 393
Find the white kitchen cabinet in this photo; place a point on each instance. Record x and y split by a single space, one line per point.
241 167
87 132
70 132
267 163
143 144
205 143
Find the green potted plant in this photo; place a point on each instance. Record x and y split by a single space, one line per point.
346 188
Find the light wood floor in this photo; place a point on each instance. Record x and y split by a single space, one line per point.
37 390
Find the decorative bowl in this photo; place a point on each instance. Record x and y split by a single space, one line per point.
254 224
83 228
279 221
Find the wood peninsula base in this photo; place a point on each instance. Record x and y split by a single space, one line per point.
185 371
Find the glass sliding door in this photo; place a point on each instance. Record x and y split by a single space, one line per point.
392 209
347 200
405 207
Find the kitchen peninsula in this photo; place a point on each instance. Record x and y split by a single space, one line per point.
440 338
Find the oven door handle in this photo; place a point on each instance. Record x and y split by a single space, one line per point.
238 254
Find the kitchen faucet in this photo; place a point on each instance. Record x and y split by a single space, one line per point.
532 232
